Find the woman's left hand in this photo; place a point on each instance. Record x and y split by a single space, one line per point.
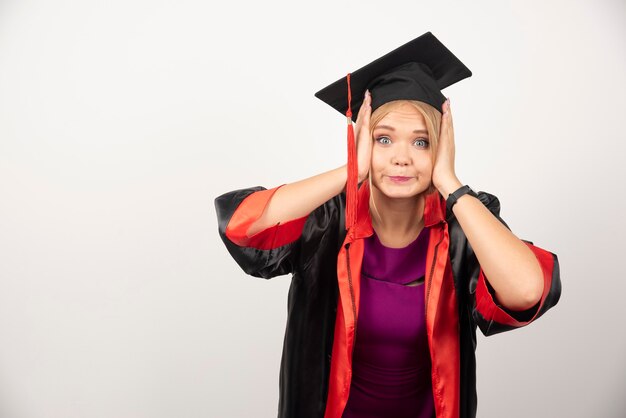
444 177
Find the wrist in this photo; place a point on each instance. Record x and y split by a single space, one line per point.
457 194
448 186
363 176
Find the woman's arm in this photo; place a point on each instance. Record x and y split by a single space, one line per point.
295 200
510 266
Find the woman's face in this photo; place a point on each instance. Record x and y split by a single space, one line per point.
401 157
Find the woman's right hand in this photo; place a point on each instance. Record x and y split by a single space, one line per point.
363 137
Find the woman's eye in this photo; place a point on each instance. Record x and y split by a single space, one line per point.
381 139
422 143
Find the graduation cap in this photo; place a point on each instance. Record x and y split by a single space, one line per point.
418 70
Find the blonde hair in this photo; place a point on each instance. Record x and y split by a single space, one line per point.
432 117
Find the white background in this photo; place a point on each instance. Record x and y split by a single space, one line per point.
122 120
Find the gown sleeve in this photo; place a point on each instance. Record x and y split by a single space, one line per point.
278 249
489 315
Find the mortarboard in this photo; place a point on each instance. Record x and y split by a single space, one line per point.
418 70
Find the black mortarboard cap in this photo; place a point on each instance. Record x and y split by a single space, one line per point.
418 70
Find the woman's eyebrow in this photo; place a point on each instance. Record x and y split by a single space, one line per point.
391 128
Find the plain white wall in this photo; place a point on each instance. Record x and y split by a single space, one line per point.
121 121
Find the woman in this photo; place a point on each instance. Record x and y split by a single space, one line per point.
382 317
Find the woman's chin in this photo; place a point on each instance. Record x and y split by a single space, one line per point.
393 191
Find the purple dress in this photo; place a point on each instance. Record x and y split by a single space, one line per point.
391 362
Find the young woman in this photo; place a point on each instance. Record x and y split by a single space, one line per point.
382 317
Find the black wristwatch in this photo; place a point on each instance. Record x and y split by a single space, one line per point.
454 196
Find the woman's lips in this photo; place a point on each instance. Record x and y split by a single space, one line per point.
398 179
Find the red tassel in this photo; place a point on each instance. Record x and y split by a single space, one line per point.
352 182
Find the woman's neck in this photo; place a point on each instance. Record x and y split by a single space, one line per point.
401 220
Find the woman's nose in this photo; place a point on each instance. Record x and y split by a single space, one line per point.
400 161
401 158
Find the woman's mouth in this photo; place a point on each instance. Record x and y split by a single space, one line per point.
398 179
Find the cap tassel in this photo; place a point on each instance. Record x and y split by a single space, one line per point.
352 182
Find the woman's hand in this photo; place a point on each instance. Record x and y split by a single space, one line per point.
444 177
363 137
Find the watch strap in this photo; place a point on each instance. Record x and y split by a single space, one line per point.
454 196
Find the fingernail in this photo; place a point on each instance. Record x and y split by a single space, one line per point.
366 93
